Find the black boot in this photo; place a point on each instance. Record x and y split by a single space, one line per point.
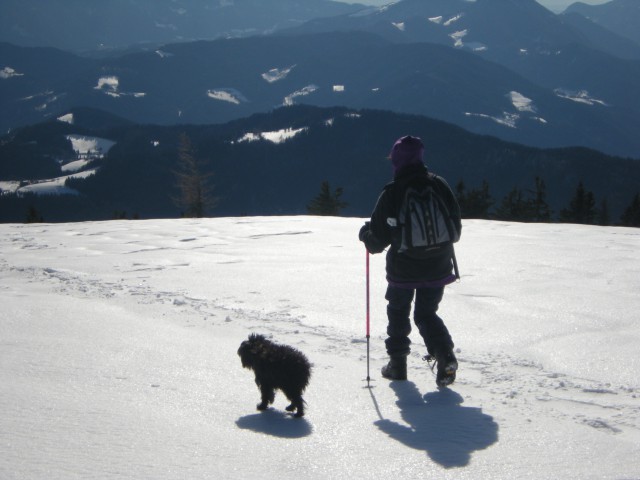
447 366
396 369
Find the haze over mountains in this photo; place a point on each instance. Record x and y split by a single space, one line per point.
512 70
620 16
90 26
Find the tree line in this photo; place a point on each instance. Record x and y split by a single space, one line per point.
530 205
517 205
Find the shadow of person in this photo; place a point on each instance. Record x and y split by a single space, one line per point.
275 423
438 424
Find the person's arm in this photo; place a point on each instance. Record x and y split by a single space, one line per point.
376 233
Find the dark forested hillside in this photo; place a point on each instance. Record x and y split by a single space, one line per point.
347 148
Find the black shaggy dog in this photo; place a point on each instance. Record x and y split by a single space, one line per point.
276 367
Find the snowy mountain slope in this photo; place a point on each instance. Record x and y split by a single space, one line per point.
214 82
87 149
119 356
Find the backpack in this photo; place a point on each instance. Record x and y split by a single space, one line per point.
423 221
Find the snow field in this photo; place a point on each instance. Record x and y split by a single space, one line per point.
118 353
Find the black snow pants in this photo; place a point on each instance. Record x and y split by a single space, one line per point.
431 327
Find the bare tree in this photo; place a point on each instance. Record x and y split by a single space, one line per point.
194 185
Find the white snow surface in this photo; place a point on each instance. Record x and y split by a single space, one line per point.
118 349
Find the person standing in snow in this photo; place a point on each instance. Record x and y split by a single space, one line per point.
409 277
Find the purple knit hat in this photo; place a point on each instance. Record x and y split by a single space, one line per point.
406 151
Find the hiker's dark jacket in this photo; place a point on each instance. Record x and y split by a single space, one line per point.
404 271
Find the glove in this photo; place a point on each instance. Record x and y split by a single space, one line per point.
363 231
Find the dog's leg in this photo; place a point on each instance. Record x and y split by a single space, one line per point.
297 405
268 396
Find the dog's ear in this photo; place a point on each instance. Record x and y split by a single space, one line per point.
256 338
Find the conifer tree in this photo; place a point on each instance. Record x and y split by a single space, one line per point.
631 215
540 208
33 216
327 203
581 209
514 207
475 203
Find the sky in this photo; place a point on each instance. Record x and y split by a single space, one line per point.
553 5
118 354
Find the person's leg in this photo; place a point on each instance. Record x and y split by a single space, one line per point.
435 334
399 323
398 343
431 327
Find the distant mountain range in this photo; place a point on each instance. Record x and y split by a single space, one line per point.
501 90
217 81
497 67
619 16
106 26
96 166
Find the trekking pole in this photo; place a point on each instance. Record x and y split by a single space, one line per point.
368 321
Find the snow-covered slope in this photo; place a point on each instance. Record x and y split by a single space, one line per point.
118 353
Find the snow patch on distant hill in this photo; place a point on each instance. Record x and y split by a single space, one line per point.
67 118
53 186
524 107
277 136
457 38
107 84
84 145
453 19
8 72
458 35
507 119
110 85
87 150
47 97
276 74
230 95
522 103
581 96
308 90
75 166
476 46
163 54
